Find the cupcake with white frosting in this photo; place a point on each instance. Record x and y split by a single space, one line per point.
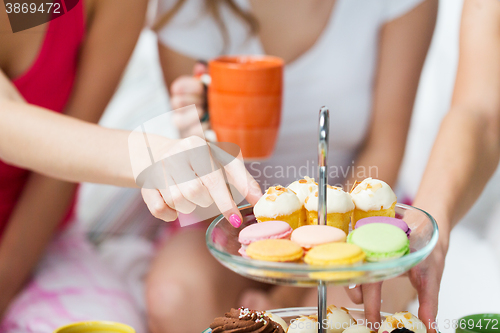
401 320
279 204
373 197
302 188
339 208
339 319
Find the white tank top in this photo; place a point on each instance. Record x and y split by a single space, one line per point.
337 71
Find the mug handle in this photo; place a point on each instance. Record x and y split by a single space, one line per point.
206 79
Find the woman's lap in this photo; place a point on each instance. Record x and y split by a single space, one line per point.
74 282
71 284
184 278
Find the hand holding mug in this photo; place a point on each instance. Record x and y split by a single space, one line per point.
245 97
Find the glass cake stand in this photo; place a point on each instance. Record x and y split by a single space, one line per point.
222 242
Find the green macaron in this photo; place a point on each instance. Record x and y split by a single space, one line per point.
380 241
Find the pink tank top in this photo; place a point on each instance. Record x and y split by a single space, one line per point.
47 83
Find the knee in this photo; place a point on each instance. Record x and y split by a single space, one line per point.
165 301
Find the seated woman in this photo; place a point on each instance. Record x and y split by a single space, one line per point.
361 58
71 65
71 283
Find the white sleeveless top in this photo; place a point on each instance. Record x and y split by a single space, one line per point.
337 71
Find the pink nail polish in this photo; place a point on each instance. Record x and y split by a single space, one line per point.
235 220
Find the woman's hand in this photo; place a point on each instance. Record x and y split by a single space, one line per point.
425 278
194 173
187 90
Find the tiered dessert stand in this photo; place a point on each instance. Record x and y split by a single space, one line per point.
222 241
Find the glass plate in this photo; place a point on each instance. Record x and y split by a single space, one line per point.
222 241
293 313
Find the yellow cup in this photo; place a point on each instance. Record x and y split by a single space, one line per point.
95 327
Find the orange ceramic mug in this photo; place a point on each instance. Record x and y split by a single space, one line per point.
244 97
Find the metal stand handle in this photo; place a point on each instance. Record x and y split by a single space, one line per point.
324 128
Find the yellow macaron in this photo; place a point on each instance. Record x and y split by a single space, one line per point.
275 250
334 254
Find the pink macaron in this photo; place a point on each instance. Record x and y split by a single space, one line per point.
309 236
263 230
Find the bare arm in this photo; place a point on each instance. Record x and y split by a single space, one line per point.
403 47
75 150
68 148
184 89
44 199
466 151
467 148
174 64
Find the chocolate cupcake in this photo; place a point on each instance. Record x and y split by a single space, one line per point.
245 320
